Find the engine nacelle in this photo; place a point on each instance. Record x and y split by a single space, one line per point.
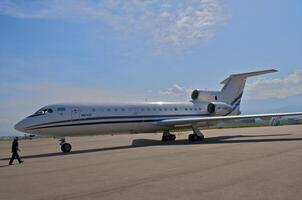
206 96
219 108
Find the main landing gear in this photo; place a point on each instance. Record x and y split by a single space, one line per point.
196 136
65 147
167 136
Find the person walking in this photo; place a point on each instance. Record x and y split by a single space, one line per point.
15 149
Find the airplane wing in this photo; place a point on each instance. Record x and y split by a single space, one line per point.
196 120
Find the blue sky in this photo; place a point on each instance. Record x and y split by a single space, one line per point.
53 51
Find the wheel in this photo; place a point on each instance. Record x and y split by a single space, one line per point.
195 137
166 138
66 147
201 138
169 137
173 137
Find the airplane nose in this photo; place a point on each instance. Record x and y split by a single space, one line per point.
20 126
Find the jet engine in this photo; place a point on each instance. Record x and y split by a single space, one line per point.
206 96
219 108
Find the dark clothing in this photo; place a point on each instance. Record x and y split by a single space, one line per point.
15 146
15 155
15 149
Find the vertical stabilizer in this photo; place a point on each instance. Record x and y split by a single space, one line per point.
233 88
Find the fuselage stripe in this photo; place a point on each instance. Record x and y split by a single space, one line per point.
236 99
93 123
125 120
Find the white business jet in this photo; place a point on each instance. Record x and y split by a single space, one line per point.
206 108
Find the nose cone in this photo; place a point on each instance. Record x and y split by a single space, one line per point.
20 126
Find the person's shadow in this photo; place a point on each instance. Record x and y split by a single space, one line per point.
139 143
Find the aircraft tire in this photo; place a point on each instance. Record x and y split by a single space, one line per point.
173 137
170 137
165 138
201 138
66 147
195 137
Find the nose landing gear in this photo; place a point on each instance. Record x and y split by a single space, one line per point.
65 147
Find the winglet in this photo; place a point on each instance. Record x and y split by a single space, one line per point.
248 74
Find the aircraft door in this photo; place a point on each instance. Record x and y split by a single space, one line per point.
75 113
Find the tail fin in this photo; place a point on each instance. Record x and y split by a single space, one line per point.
231 92
233 88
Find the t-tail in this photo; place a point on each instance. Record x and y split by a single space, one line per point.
231 93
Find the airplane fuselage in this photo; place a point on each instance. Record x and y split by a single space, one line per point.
96 119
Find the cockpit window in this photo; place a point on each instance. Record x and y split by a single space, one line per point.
43 111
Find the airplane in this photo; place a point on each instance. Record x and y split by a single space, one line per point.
205 108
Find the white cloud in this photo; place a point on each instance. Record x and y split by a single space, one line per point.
280 88
169 24
260 89
176 92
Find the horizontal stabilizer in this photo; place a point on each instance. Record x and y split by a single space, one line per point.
248 74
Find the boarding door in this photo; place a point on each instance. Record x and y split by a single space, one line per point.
75 113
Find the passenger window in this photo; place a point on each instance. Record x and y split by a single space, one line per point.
60 109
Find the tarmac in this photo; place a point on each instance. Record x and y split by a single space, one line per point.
243 163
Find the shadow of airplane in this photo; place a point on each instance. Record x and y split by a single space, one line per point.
137 143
